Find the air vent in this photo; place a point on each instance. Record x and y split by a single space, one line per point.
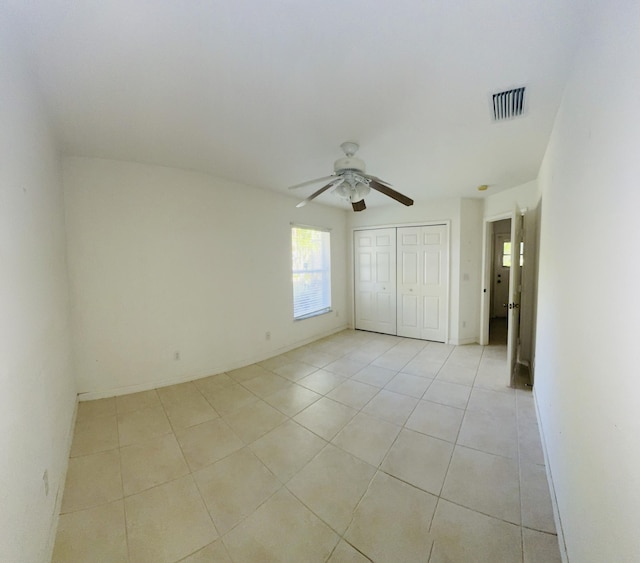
508 104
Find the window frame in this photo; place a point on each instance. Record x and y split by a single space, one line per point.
324 270
506 255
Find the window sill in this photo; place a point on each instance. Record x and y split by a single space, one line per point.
314 314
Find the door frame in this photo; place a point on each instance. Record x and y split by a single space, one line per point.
446 222
487 266
517 228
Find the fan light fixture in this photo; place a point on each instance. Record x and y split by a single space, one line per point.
351 183
354 188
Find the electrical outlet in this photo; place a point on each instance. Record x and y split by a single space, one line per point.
337 313
45 478
267 335
177 355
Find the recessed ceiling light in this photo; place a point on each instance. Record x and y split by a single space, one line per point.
483 188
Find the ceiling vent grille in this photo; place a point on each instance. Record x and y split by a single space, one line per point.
508 104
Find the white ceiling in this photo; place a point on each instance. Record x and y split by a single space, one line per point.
264 92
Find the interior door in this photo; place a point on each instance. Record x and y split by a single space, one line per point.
375 280
422 282
514 293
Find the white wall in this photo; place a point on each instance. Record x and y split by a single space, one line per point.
37 394
437 210
587 381
470 271
526 196
164 260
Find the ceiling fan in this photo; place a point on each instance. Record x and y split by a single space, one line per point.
350 181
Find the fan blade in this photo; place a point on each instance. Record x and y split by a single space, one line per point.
379 180
312 182
386 190
358 205
320 191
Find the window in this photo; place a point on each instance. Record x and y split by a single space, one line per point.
311 257
506 254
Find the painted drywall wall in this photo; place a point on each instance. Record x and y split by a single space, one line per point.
587 385
37 393
164 261
527 198
420 212
470 271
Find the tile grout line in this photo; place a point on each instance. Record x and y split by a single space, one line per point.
520 479
124 508
455 444
378 468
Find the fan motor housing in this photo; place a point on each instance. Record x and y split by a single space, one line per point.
349 163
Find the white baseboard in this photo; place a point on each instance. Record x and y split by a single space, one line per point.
552 489
53 529
147 386
463 341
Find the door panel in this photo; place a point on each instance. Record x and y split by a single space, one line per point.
432 262
410 239
375 283
410 311
513 330
422 287
409 264
431 313
366 306
432 238
384 267
365 267
386 309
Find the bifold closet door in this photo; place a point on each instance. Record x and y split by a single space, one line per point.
422 254
375 280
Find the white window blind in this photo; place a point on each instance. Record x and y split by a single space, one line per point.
311 258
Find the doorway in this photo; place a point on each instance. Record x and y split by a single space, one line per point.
499 296
501 292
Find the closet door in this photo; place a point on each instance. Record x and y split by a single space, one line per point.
422 307
375 280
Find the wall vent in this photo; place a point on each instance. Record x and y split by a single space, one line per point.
508 104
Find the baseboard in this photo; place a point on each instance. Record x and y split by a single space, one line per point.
463 341
53 529
147 386
554 501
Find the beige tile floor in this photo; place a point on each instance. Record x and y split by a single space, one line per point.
357 447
